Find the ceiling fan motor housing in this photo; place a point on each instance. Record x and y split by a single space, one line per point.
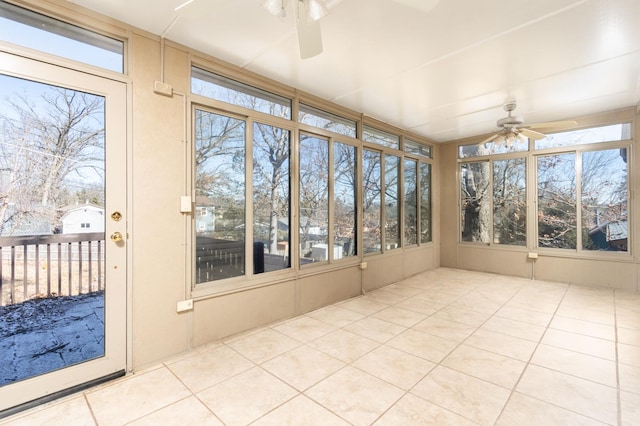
510 121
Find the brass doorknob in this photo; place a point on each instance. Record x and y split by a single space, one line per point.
116 237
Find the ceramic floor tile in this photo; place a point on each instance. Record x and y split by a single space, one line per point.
522 410
411 410
263 345
363 306
423 345
629 378
512 347
476 305
300 411
629 336
629 408
631 321
403 317
394 366
587 328
580 365
593 346
444 328
246 397
592 315
629 354
69 412
419 305
437 297
189 411
485 365
386 297
514 328
582 396
206 368
534 302
136 396
304 328
462 316
525 315
467 396
343 345
401 290
336 316
303 367
355 395
375 329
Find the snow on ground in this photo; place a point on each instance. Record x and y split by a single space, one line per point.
41 335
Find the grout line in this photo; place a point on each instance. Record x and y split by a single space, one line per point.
615 330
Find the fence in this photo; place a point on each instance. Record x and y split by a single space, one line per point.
50 265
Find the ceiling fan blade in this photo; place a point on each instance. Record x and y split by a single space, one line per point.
309 38
553 125
532 134
490 139
185 4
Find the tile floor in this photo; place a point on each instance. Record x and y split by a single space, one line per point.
446 347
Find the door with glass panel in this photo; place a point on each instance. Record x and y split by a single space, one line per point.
62 230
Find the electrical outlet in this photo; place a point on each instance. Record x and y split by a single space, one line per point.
185 305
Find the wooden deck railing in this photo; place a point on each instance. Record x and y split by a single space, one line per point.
50 265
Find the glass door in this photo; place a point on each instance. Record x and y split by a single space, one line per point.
62 229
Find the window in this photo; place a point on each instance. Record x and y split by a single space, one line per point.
224 89
271 200
39 32
369 134
601 192
220 200
604 200
314 199
510 202
345 228
327 121
557 201
371 195
614 132
425 203
392 202
417 148
498 146
410 202
475 203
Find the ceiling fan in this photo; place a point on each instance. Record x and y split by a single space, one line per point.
512 127
308 13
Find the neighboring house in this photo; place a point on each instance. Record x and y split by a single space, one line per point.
83 219
610 236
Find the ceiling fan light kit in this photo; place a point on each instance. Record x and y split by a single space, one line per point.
512 127
276 7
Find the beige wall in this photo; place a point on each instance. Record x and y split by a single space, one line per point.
593 269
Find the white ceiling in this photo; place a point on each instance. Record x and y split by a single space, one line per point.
443 74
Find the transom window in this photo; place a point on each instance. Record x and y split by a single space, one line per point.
233 92
39 32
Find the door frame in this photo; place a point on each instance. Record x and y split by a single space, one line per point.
116 360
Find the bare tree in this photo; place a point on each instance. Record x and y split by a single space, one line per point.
47 139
